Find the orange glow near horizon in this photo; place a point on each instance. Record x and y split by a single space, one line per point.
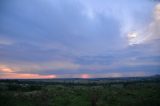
5 69
26 76
85 76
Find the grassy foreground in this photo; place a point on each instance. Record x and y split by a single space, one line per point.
116 94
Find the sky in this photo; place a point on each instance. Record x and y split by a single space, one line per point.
79 38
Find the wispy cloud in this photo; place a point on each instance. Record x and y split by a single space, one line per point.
148 33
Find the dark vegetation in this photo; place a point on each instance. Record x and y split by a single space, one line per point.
80 92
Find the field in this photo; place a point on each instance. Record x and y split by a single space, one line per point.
81 92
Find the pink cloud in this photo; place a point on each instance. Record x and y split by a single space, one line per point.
85 76
25 76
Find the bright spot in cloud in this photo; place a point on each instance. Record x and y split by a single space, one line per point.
132 38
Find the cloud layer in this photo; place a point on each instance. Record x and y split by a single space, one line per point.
75 38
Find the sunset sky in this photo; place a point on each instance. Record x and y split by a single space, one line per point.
79 38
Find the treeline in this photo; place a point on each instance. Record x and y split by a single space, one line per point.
31 85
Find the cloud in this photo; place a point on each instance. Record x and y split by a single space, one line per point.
78 37
5 69
5 41
25 76
10 73
41 66
149 33
107 75
154 28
